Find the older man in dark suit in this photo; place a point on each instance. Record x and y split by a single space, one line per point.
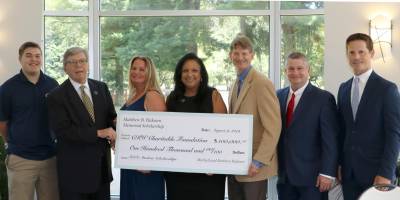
81 115
369 109
308 146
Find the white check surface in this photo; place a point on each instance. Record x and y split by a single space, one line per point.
184 142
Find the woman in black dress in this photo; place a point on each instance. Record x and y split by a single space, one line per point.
192 94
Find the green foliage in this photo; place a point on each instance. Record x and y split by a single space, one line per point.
66 5
3 173
304 34
166 39
287 5
122 5
62 33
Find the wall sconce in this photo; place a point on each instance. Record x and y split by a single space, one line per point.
380 30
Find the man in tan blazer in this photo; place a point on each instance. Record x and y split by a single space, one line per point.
254 94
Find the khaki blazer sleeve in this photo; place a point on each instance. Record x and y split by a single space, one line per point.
270 120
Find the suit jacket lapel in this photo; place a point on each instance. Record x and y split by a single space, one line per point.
347 100
304 101
244 90
305 98
75 99
367 92
283 101
94 90
233 96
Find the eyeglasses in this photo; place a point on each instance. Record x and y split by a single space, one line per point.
75 62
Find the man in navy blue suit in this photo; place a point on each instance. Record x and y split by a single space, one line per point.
369 108
308 146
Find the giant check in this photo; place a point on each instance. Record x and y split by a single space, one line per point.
184 142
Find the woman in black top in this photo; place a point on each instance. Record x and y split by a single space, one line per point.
192 94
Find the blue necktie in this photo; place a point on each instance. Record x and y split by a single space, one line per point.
239 86
355 99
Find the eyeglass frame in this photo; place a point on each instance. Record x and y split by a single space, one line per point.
76 62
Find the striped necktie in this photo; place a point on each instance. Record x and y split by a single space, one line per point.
86 101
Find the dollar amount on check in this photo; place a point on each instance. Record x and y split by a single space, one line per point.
184 142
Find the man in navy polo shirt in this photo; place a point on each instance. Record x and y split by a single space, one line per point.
31 164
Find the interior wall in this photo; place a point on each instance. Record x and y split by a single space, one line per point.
20 21
344 18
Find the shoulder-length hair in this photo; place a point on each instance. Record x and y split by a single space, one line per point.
179 89
151 76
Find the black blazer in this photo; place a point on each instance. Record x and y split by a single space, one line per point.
309 146
83 159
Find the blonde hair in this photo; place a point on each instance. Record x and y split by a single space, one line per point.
151 76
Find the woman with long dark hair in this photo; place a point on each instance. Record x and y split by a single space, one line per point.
192 94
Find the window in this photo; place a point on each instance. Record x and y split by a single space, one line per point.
166 39
115 30
304 34
124 5
59 34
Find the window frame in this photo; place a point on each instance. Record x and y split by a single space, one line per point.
274 13
94 14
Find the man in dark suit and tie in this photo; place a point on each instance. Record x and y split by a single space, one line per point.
369 108
307 149
82 115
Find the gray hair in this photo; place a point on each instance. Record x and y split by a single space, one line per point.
73 51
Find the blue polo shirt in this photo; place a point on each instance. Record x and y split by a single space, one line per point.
23 105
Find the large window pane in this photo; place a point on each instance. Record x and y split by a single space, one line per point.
304 34
123 5
166 39
64 5
302 5
61 33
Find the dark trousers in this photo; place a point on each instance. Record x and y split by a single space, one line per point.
352 190
247 190
287 191
103 193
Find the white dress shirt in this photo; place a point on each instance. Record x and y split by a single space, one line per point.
361 84
297 94
77 88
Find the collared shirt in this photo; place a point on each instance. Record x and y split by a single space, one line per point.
241 78
77 87
244 73
297 94
361 84
23 106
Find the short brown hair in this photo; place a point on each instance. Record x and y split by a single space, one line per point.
243 41
27 45
297 55
73 51
361 36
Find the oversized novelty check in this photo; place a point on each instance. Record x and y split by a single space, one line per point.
184 142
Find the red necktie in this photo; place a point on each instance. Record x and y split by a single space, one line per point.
289 111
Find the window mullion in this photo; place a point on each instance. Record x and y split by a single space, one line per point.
179 13
94 44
